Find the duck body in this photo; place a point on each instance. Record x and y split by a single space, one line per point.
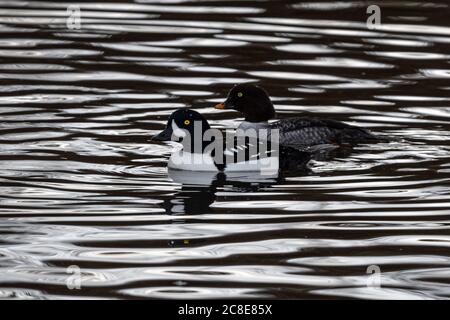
308 132
299 132
305 132
187 161
217 155
205 162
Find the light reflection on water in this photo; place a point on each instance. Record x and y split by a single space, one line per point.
81 184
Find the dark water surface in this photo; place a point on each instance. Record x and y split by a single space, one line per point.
82 185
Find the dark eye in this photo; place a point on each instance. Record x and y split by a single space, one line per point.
187 122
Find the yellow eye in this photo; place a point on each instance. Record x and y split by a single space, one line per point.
240 94
187 122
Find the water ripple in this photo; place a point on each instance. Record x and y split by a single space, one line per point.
82 184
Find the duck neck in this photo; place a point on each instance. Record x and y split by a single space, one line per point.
245 125
262 112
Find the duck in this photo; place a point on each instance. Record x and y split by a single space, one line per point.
254 103
205 150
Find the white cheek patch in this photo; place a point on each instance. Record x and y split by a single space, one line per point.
177 131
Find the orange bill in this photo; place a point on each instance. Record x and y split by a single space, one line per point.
220 106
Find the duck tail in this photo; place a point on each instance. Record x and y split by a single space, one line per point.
363 136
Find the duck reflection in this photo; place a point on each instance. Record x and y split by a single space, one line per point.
198 189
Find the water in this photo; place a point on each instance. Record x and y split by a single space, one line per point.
82 185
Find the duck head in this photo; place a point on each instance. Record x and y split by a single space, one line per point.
184 122
250 100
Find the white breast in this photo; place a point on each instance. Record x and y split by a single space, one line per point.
191 161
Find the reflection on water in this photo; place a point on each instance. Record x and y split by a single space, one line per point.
82 184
